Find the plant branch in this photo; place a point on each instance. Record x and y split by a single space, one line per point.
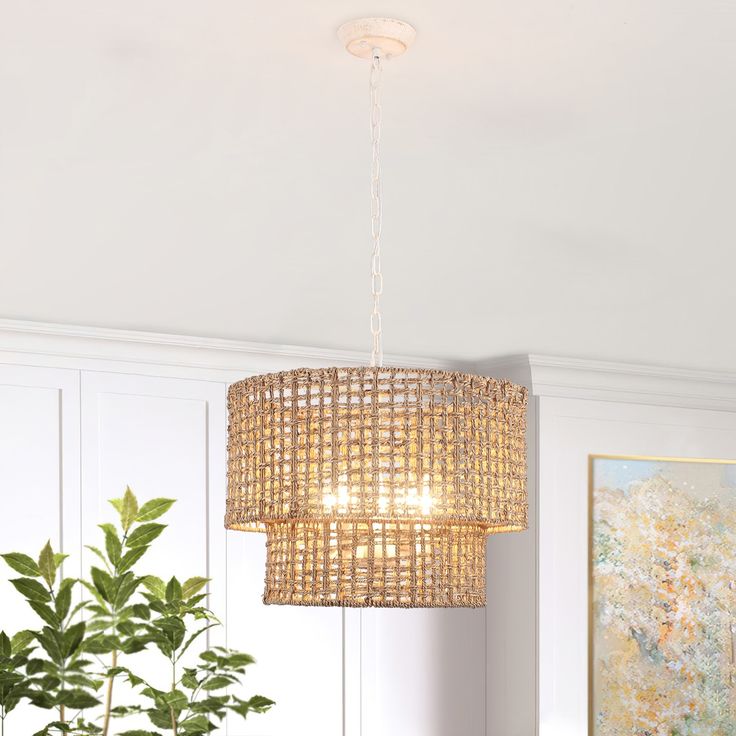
108 697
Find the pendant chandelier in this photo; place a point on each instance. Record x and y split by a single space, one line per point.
376 486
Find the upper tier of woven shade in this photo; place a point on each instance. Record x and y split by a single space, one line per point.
377 444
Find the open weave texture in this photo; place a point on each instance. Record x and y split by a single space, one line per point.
417 459
395 564
377 443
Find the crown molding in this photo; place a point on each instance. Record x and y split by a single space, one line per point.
130 351
553 376
104 348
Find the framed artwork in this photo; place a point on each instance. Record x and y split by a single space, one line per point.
662 650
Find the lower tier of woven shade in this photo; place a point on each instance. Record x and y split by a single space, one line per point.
385 564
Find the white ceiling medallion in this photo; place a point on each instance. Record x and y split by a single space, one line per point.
361 37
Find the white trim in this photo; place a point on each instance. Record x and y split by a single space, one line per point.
152 353
619 382
131 351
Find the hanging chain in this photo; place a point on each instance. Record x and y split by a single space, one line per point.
376 208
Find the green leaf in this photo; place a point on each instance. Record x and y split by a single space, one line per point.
140 610
176 699
103 583
125 588
113 547
98 552
64 601
193 586
138 732
217 682
78 699
153 509
194 637
198 724
35 666
239 659
134 644
173 591
189 679
21 641
159 717
129 511
93 590
144 535
260 704
6 648
45 612
131 557
101 644
31 589
117 504
23 564
155 586
49 640
72 639
59 558
79 607
46 564
173 629
55 726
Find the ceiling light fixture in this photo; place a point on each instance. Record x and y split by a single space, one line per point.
376 486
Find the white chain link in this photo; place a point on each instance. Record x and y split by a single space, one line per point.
376 209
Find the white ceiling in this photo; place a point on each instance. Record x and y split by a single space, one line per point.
560 177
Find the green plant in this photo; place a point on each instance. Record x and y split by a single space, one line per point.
14 655
58 678
64 664
195 699
118 623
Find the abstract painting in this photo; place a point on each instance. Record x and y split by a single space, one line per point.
663 597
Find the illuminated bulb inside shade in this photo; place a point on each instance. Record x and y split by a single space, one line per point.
406 501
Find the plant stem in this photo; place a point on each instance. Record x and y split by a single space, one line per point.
173 687
108 698
62 668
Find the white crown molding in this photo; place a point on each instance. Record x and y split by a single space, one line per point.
99 348
621 382
104 349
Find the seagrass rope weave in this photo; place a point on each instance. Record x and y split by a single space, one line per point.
376 486
384 564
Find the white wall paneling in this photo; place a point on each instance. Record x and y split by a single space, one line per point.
83 413
298 650
511 616
423 672
162 437
570 431
39 483
580 408
149 411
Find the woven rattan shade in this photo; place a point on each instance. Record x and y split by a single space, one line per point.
376 486
390 564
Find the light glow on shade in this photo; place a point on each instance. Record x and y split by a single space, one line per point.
376 486
408 502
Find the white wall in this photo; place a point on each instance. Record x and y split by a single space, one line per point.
83 413
570 431
538 635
